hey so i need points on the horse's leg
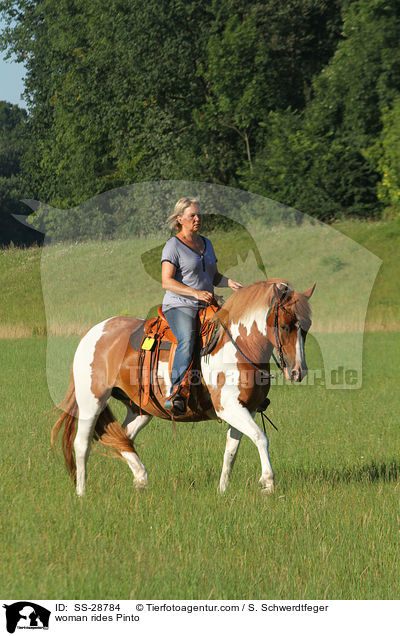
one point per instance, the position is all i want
(239, 417)
(232, 444)
(90, 403)
(133, 424)
(82, 444)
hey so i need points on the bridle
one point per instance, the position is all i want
(281, 364)
(278, 342)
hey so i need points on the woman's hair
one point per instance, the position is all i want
(179, 209)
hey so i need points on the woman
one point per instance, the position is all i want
(189, 273)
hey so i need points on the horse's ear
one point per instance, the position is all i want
(309, 292)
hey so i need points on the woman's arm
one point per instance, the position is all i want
(169, 283)
(222, 281)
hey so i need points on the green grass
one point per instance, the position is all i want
(21, 302)
(330, 531)
(382, 239)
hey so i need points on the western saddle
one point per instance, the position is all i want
(155, 335)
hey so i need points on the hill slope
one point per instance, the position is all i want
(106, 279)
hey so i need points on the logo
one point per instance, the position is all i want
(26, 615)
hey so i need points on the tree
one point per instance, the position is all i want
(387, 153)
(361, 81)
(125, 92)
(12, 122)
(12, 130)
(325, 160)
(261, 57)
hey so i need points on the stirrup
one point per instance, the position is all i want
(175, 403)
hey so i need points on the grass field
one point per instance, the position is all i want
(85, 283)
(331, 530)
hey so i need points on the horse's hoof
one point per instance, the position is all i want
(268, 489)
(141, 484)
(222, 486)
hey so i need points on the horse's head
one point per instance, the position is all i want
(288, 323)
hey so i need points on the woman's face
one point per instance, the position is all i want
(190, 219)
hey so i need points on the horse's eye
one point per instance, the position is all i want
(284, 327)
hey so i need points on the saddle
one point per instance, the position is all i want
(155, 335)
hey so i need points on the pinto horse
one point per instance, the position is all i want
(235, 379)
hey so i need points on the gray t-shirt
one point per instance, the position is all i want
(192, 269)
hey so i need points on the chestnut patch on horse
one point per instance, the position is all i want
(253, 344)
(215, 392)
(109, 353)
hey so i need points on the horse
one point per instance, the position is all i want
(235, 379)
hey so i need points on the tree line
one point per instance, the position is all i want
(298, 101)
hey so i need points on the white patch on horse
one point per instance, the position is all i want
(241, 419)
(247, 322)
(235, 414)
(82, 369)
(232, 444)
(224, 360)
(163, 373)
(138, 469)
(300, 349)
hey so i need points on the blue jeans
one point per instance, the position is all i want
(183, 324)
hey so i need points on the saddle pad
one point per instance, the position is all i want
(137, 336)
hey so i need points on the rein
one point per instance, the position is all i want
(256, 366)
(253, 364)
(261, 410)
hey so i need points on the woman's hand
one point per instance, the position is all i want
(204, 296)
(234, 285)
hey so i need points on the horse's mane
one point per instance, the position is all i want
(259, 296)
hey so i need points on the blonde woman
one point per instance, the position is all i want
(189, 273)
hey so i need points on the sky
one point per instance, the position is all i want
(11, 80)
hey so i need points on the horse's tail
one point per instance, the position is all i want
(110, 434)
(67, 419)
(107, 430)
